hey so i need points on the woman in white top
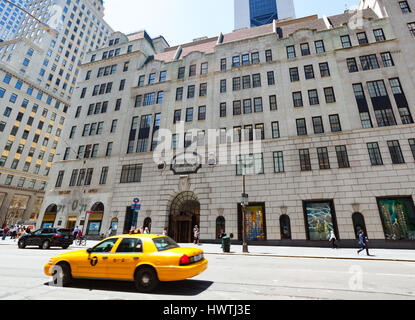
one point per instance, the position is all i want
(333, 240)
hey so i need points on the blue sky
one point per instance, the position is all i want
(181, 21)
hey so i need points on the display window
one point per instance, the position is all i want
(398, 218)
(94, 227)
(255, 222)
(320, 219)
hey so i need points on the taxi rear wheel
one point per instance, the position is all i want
(146, 279)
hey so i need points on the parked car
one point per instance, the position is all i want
(142, 258)
(46, 238)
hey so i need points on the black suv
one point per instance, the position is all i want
(46, 238)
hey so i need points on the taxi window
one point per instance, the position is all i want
(105, 246)
(165, 243)
(130, 245)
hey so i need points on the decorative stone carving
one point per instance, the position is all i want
(184, 184)
(356, 207)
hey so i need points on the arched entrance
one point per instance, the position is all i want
(220, 226)
(50, 216)
(147, 224)
(285, 227)
(184, 215)
(358, 224)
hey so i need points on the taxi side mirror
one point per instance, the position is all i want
(89, 250)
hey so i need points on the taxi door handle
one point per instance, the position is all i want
(104, 258)
(136, 258)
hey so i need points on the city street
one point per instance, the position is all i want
(228, 277)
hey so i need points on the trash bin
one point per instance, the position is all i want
(226, 244)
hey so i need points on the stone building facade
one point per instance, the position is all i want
(330, 101)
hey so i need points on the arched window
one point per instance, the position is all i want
(220, 225)
(98, 207)
(50, 216)
(358, 223)
(285, 227)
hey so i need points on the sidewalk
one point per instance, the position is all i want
(287, 252)
(316, 253)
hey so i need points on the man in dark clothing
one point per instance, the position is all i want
(363, 243)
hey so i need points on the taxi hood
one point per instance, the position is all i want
(70, 253)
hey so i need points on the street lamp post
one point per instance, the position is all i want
(245, 203)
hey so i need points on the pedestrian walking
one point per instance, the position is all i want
(109, 232)
(363, 243)
(146, 230)
(5, 232)
(20, 231)
(333, 240)
(165, 232)
(141, 230)
(75, 232)
(28, 230)
(13, 232)
(196, 235)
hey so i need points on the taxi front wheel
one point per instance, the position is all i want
(146, 279)
(62, 274)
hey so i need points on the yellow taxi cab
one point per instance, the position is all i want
(142, 258)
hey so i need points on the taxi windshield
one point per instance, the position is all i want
(165, 243)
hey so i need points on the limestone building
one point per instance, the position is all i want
(330, 99)
(38, 73)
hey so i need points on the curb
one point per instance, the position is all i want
(310, 257)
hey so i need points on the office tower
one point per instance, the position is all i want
(10, 18)
(331, 103)
(38, 74)
(254, 13)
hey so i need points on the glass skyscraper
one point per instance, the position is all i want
(262, 12)
(254, 13)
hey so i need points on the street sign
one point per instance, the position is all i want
(136, 207)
